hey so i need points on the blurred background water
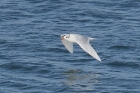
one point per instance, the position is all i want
(34, 60)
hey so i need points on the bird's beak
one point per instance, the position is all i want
(62, 38)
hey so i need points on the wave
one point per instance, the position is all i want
(126, 64)
(120, 47)
(27, 67)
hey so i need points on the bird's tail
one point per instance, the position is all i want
(90, 39)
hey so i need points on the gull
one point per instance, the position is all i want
(82, 41)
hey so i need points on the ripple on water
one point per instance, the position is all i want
(28, 67)
(120, 47)
(125, 65)
(77, 79)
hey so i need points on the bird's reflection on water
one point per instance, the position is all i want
(78, 79)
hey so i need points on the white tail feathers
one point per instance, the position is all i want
(90, 39)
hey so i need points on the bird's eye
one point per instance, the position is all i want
(66, 36)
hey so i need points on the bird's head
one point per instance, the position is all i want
(65, 36)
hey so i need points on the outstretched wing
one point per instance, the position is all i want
(68, 45)
(84, 44)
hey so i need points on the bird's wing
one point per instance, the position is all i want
(84, 44)
(68, 45)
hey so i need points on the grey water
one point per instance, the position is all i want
(34, 60)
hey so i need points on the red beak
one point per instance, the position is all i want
(62, 38)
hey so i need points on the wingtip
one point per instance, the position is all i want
(100, 60)
(71, 52)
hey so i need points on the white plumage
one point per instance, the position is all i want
(83, 41)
